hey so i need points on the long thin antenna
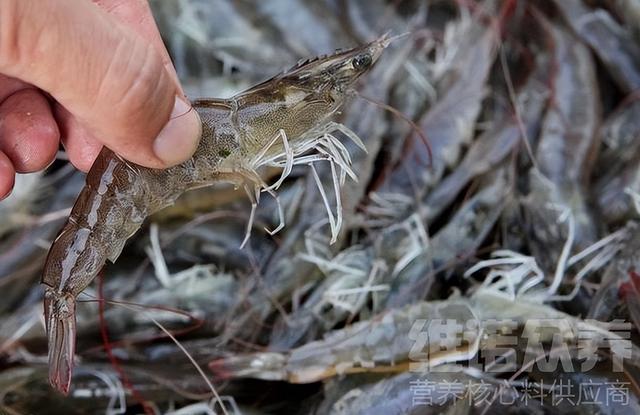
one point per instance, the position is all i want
(413, 125)
(142, 309)
(512, 97)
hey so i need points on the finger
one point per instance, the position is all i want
(29, 134)
(81, 147)
(137, 15)
(111, 80)
(9, 86)
(7, 176)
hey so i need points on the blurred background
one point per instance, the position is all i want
(523, 208)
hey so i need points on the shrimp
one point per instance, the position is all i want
(279, 122)
(393, 342)
(612, 43)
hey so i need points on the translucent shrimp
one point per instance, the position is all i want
(282, 122)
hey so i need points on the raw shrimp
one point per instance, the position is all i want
(618, 164)
(463, 234)
(390, 343)
(449, 122)
(495, 144)
(276, 123)
(566, 148)
(610, 41)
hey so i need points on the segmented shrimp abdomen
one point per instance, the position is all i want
(119, 195)
(110, 208)
(74, 253)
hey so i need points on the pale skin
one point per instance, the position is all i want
(87, 73)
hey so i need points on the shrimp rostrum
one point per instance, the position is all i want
(282, 122)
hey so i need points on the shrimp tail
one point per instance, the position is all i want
(60, 320)
(109, 209)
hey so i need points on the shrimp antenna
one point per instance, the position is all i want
(389, 39)
(409, 121)
(183, 114)
(138, 308)
(386, 39)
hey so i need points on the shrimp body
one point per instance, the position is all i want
(394, 342)
(269, 124)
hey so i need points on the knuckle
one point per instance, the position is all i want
(25, 34)
(30, 134)
(145, 83)
(10, 28)
(7, 176)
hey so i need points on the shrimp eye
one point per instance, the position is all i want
(362, 61)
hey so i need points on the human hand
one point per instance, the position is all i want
(89, 73)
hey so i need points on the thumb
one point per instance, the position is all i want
(109, 78)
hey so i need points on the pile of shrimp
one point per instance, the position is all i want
(480, 175)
